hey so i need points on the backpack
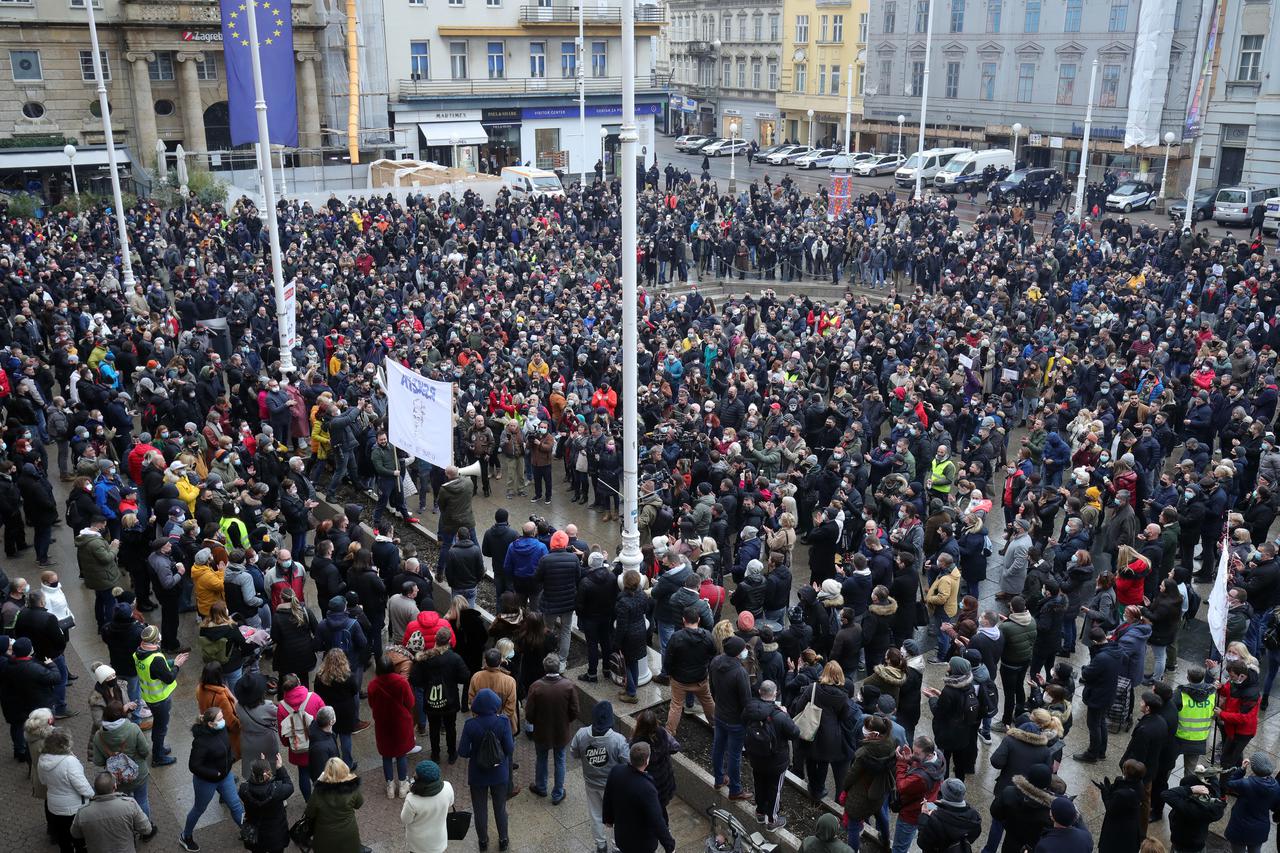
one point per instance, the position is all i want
(295, 728)
(489, 754)
(990, 697)
(121, 767)
(214, 650)
(973, 710)
(1271, 636)
(761, 738)
(1193, 605)
(662, 521)
(342, 639)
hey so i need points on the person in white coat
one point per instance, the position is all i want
(426, 809)
(66, 788)
(55, 600)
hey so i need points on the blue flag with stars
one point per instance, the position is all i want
(275, 51)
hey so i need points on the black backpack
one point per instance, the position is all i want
(1193, 604)
(761, 737)
(489, 754)
(973, 710)
(662, 521)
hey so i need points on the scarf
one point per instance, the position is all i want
(959, 681)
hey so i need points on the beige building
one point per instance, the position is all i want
(821, 40)
(163, 61)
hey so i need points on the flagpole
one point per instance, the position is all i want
(268, 188)
(104, 107)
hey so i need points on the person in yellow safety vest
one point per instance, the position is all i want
(1196, 701)
(942, 473)
(157, 678)
(233, 529)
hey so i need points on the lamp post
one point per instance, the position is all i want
(901, 121)
(1084, 148)
(1017, 133)
(126, 262)
(924, 97)
(70, 151)
(630, 553)
(1164, 175)
(604, 134)
(733, 171)
(810, 114)
(848, 111)
(582, 88)
(453, 146)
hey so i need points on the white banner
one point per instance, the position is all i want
(1217, 617)
(1149, 81)
(419, 414)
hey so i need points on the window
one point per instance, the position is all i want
(78, 4)
(458, 60)
(86, 65)
(417, 2)
(773, 75)
(726, 74)
(995, 9)
(775, 27)
(957, 16)
(1066, 83)
(1119, 17)
(568, 60)
(917, 79)
(420, 60)
(801, 78)
(1110, 94)
(862, 28)
(457, 3)
(1031, 20)
(860, 83)
(161, 68)
(599, 59)
(22, 3)
(537, 59)
(742, 74)
(886, 75)
(496, 53)
(165, 107)
(26, 65)
(952, 90)
(1075, 11)
(822, 79)
(1026, 81)
(207, 67)
(802, 29)
(837, 28)
(755, 74)
(922, 15)
(1250, 66)
(757, 27)
(890, 16)
(822, 29)
(726, 29)
(835, 79)
(493, 4)
(33, 110)
(987, 88)
(742, 26)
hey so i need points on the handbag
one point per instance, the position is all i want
(249, 834)
(457, 824)
(301, 832)
(66, 623)
(810, 718)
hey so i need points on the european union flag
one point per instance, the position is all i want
(275, 49)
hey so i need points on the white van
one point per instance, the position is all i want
(1271, 218)
(525, 182)
(1234, 205)
(966, 169)
(928, 163)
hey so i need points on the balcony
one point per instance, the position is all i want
(606, 16)
(527, 86)
(701, 48)
(701, 92)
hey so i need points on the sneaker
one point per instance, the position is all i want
(986, 737)
(361, 726)
(548, 503)
(164, 761)
(1086, 757)
(555, 801)
(66, 714)
(404, 788)
(629, 698)
(188, 843)
(537, 792)
(412, 519)
(742, 795)
(416, 749)
(761, 819)
(999, 727)
(391, 790)
(776, 824)
(937, 662)
(588, 678)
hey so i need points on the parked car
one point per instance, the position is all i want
(1131, 195)
(690, 142)
(1201, 206)
(701, 147)
(848, 161)
(965, 170)
(1271, 217)
(1023, 182)
(762, 155)
(725, 147)
(788, 155)
(881, 164)
(1234, 205)
(816, 159)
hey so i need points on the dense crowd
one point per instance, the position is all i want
(1110, 390)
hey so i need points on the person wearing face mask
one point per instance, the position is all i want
(210, 765)
(730, 691)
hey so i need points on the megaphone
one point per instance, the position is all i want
(472, 470)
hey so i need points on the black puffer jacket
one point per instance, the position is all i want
(560, 571)
(294, 644)
(211, 755)
(465, 566)
(264, 807)
(749, 595)
(597, 594)
(943, 828)
(828, 744)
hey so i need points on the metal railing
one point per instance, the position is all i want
(701, 48)
(526, 86)
(592, 15)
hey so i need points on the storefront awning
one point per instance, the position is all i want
(454, 133)
(20, 158)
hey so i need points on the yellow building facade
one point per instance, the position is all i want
(824, 44)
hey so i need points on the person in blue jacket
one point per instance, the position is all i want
(1057, 458)
(1257, 793)
(488, 782)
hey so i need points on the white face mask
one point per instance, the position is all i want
(744, 654)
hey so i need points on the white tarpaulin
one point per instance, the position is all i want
(419, 414)
(1217, 617)
(1149, 82)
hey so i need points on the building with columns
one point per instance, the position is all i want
(165, 76)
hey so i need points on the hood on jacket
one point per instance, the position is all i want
(1031, 792)
(486, 704)
(828, 827)
(887, 609)
(1024, 618)
(890, 675)
(1036, 738)
(602, 717)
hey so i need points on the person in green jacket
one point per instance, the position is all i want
(98, 566)
(1019, 632)
(121, 736)
(332, 810)
(387, 472)
(826, 837)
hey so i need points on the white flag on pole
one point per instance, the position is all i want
(419, 414)
(1217, 617)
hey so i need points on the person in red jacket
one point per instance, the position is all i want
(605, 398)
(919, 776)
(1238, 710)
(1131, 576)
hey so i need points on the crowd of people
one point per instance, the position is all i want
(1109, 389)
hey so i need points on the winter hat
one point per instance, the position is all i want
(1030, 728)
(427, 771)
(755, 568)
(973, 656)
(748, 533)
(746, 621)
(1261, 764)
(661, 545)
(103, 673)
(886, 704)
(559, 540)
(952, 793)
(596, 560)
(22, 647)
(830, 589)
(337, 604)
(1040, 776)
(151, 634)
(733, 646)
(1063, 811)
(959, 666)
(602, 717)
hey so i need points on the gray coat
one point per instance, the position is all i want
(1013, 575)
(110, 823)
(259, 734)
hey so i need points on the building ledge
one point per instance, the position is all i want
(525, 86)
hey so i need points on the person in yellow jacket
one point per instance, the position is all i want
(943, 599)
(207, 579)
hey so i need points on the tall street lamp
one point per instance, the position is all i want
(1017, 134)
(1164, 176)
(604, 134)
(70, 151)
(901, 121)
(810, 114)
(733, 171)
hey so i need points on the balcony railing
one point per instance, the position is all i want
(527, 86)
(591, 15)
(701, 48)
